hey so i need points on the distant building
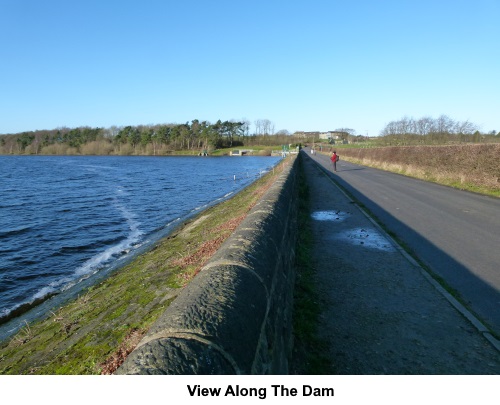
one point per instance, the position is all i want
(330, 136)
(306, 135)
(334, 135)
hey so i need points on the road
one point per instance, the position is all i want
(456, 234)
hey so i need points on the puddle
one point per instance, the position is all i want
(330, 215)
(366, 237)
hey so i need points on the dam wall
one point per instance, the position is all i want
(235, 316)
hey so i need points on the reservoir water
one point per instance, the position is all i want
(64, 219)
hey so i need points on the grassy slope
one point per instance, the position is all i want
(472, 167)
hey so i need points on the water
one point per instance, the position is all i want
(368, 238)
(330, 215)
(64, 219)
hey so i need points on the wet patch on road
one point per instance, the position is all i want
(366, 237)
(330, 215)
(369, 238)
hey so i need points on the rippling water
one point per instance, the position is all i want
(63, 219)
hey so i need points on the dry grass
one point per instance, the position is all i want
(206, 249)
(116, 359)
(470, 166)
(23, 336)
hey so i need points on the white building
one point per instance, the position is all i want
(331, 135)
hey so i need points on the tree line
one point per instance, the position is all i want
(201, 136)
(428, 130)
(147, 139)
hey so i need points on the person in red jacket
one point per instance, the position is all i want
(334, 159)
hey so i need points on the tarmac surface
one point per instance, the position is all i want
(382, 313)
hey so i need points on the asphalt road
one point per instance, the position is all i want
(455, 233)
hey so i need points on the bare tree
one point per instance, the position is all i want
(441, 129)
(267, 126)
(424, 126)
(283, 132)
(245, 127)
(444, 125)
(465, 128)
(264, 127)
(258, 127)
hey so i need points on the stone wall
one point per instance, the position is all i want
(235, 317)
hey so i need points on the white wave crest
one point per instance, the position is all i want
(96, 262)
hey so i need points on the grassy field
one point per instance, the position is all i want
(258, 150)
(95, 332)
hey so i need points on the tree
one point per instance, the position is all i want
(283, 132)
(129, 135)
(424, 126)
(216, 134)
(444, 126)
(264, 127)
(185, 135)
(72, 138)
(245, 127)
(465, 128)
(477, 136)
(204, 135)
(24, 140)
(429, 130)
(146, 136)
(163, 135)
(195, 132)
(46, 140)
(268, 127)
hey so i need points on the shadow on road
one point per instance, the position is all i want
(476, 295)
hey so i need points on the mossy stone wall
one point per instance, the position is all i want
(235, 317)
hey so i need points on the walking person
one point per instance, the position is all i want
(334, 159)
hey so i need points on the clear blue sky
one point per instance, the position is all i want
(304, 65)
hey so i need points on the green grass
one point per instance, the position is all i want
(258, 150)
(473, 188)
(310, 352)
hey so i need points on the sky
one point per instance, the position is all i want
(304, 65)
